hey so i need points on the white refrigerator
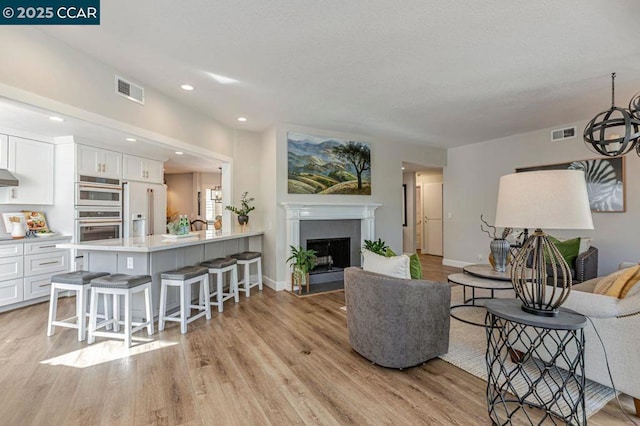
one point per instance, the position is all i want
(144, 209)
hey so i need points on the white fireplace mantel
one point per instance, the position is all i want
(297, 211)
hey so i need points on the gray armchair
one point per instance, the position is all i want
(395, 322)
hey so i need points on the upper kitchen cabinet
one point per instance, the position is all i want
(142, 169)
(4, 151)
(32, 163)
(99, 162)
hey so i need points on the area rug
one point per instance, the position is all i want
(467, 350)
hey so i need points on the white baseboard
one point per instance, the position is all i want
(455, 263)
(274, 285)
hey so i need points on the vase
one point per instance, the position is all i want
(18, 231)
(243, 219)
(500, 251)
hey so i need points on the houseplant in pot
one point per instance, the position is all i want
(301, 262)
(244, 210)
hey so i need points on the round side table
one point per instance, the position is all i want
(534, 362)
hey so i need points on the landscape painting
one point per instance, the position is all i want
(321, 165)
(605, 181)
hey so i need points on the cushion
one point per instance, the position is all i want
(568, 249)
(620, 283)
(219, 263)
(77, 277)
(394, 266)
(121, 281)
(415, 267)
(585, 244)
(247, 255)
(185, 273)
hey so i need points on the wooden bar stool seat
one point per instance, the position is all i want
(120, 285)
(246, 259)
(183, 278)
(219, 267)
(80, 283)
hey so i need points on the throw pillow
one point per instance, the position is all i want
(415, 267)
(620, 283)
(568, 249)
(394, 266)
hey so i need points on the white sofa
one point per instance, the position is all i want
(618, 323)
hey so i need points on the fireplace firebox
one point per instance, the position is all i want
(333, 254)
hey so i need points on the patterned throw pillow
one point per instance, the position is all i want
(620, 283)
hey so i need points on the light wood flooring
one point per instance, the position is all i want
(271, 359)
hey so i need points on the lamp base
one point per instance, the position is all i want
(540, 312)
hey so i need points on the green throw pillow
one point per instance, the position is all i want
(568, 249)
(415, 267)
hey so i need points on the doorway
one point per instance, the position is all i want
(418, 218)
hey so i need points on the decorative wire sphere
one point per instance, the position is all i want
(540, 276)
(614, 145)
(634, 106)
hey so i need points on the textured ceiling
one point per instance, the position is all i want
(422, 71)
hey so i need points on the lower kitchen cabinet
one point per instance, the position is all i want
(27, 276)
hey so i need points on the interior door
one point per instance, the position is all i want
(418, 218)
(432, 208)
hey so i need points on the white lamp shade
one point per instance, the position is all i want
(549, 199)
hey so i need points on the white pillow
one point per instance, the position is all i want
(585, 244)
(394, 266)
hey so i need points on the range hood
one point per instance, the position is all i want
(7, 179)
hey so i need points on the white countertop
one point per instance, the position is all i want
(157, 242)
(8, 240)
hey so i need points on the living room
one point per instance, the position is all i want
(473, 90)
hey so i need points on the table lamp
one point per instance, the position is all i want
(549, 199)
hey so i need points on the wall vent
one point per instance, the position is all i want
(129, 90)
(562, 134)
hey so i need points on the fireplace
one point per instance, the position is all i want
(324, 220)
(333, 254)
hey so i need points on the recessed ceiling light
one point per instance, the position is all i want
(179, 152)
(403, 168)
(243, 119)
(187, 87)
(131, 139)
(58, 119)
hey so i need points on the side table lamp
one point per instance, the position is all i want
(549, 199)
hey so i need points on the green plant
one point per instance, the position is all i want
(302, 260)
(245, 208)
(377, 247)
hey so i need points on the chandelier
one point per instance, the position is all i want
(616, 131)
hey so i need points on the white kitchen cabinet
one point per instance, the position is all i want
(31, 162)
(142, 169)
(4, 151)
(26, 268)
(98, 162)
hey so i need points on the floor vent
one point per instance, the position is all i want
(562, 134)
(129, 90)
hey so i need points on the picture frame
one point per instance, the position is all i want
(404, 204)
(605, 179)
(320, 165)
(6, 218)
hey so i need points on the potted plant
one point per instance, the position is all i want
(302, 261)
(244, 210)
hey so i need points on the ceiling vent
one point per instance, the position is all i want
(562, 134)
(129, 90)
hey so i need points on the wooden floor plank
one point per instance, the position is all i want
(271, 359)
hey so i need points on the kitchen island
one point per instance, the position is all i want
(155, 254)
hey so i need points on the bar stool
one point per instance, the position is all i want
(120, 285)
(184, 278)
(80, 283)
(246, 259)
(219, 266)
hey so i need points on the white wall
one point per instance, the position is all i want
(42, 71)
(386, 175)
(471, 186)
(180, 195)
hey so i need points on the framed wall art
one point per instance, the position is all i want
(605, 181)
(321, 165)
